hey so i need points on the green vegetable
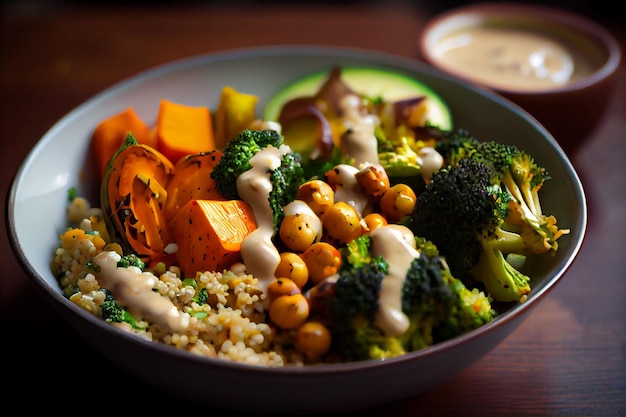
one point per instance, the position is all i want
(519, 176)
(438, 305)
(114, 312)
(523, 179)
(72, 194)
(190, 282)
(131, 259)
(462, 212)
(455, 145)
(353, 309)
(201, 296)
(285, 179)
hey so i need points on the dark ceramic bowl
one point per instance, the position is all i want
(36, 214)
(570, 111)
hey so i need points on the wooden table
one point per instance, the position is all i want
(567, 358)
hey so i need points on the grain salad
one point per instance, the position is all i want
(231, 325)
(272, 243)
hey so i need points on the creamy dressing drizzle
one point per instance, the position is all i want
(300, 207)
(429, 161)
(258, 252)
(512, 58)
(396, 244)
(348, 189)
(134, 289)
(359, 141)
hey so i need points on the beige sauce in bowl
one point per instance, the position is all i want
(511, 58)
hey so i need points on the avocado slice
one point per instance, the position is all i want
(372, 82)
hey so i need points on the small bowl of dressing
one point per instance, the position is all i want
(559, 66)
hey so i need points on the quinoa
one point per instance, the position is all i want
(230, 325)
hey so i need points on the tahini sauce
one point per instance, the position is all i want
(396, 244)
(360, 143)
(258, 252)
(134, 289)
(349, 190)
(510, 58)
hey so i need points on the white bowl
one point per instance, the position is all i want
(36, 207)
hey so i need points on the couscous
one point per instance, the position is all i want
(239, 252)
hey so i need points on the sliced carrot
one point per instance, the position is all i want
(235, 113)
(209, 234)
(183, 130)
(110, 133)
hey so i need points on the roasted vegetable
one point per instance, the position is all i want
(191, 180)
(462, 212)
(110, 134)
(382, 305)
(132, 195)
(235, 113)
(209, 233)
(183, 130)
(317, 114)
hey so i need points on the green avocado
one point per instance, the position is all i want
(371, 82)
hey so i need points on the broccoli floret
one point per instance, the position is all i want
(455, 145)
(236, 158)
(462, 212)
(426, 247)
(357, 253)
(354, 306)
(437, 305)
(517, 174)
(404, 157)
(114, 312)
(400, 160)
(285, 178)
(523, 178)
(131, 260)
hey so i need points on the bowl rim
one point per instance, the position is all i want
(532, 11)
(390, 59)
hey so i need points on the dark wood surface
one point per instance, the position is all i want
(567, 359)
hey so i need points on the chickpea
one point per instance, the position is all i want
(398, 202)
(374, 181)
(318, 195)
(299, 231)
(374, 220)
(289, 311)
(322, 260)
(342, 223)
(300, 226)
(292, 266)
(313, 340)
(280, 287)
